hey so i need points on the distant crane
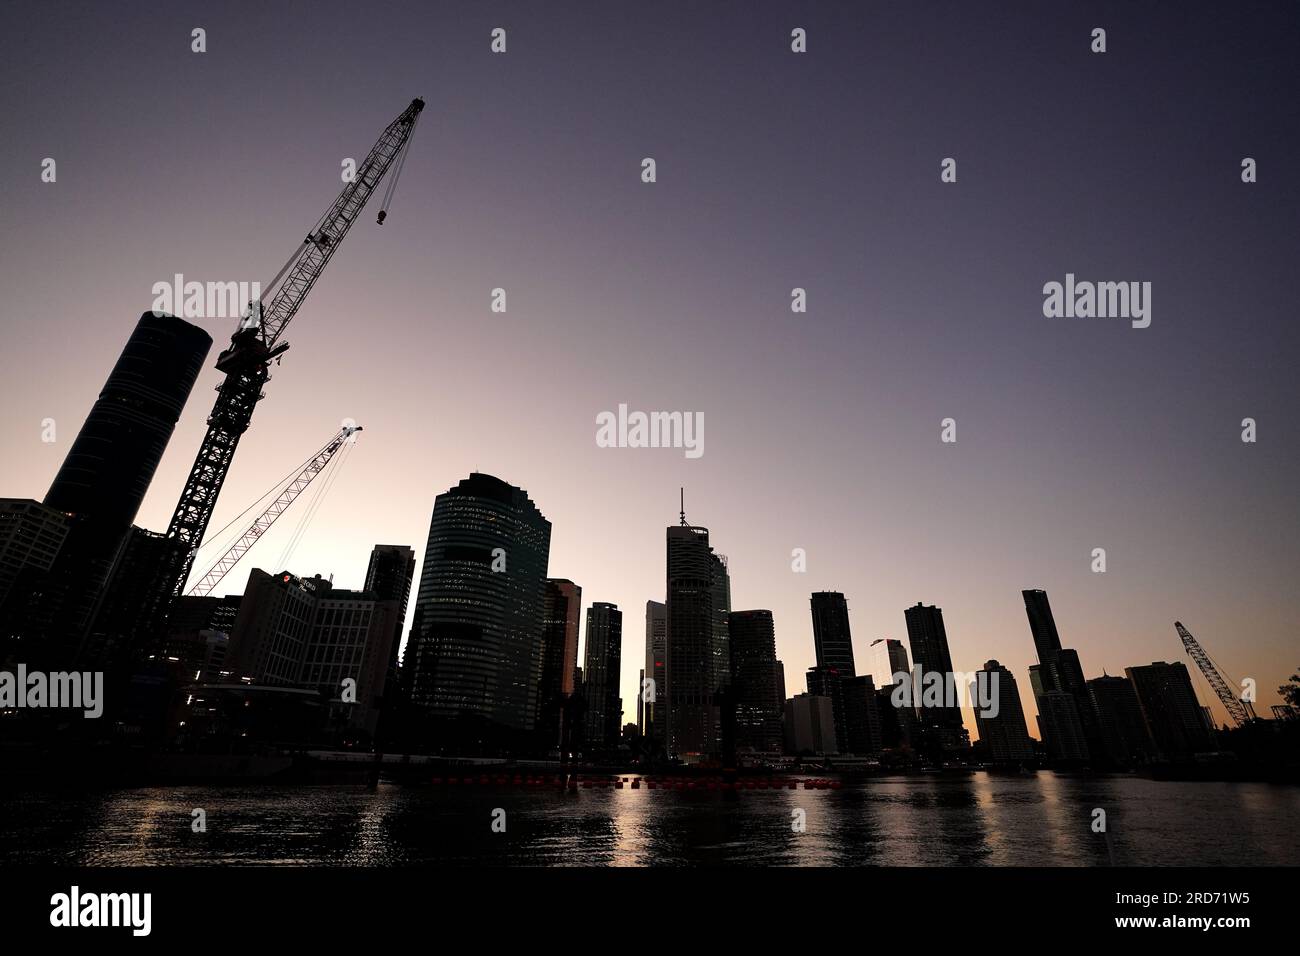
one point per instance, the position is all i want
(310, 469)
(1241, 711)
(256, 343)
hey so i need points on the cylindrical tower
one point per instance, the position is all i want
(107, 472)
(108, 469)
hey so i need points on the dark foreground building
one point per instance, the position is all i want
(305, 634)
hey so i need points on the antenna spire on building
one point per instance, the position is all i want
(683, 491)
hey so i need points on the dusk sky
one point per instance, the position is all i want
(775, 170)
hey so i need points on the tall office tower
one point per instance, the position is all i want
(656, 670)
(1004, 734)
(864, 732)
(832, 638)
(600, 670)
(304, 633)
(759, 707)
(390, 573)
(941, 726)
(476, 636)
(809, 726)
(110, 464)
(113, 458)
(1061, 670)
(833, 644)
(1170, 709)
(721, 610)
(888, 657)
(693, 656)
(1041, 624)
(561, 620)
(1125, 739)
(388, 577)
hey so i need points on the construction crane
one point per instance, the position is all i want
(1241, 711)
(310, 469)
(257, 341)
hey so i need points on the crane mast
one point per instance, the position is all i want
(246, 363)
(313, 467)
(1239, 710)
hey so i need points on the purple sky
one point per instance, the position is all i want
(775, 170)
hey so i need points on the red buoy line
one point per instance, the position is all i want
(574, 781)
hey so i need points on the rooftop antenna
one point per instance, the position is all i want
(683, 491)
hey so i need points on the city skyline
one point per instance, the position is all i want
(1072, 435)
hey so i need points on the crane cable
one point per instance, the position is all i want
(296, 538)
(397, 173)
(209, 539)
(310, 514)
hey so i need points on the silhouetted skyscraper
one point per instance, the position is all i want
(1059, 722)
(1124, 735)
(600, 675)
(1170, 709)
(1005, 736)
(1041, 624)
(832, 637)
(476, 638)
(721, 612)
(656, 670)
(1062, 671)
(390, 573)
(941, 726)
(107, 471)
(388, 578)
(759, 708)
(561, 621)
(113, 458)
(695, 587)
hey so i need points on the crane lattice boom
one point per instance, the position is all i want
(314, 466)
(257, 342)
(1239, 710)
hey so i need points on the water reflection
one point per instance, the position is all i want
(934, 820)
